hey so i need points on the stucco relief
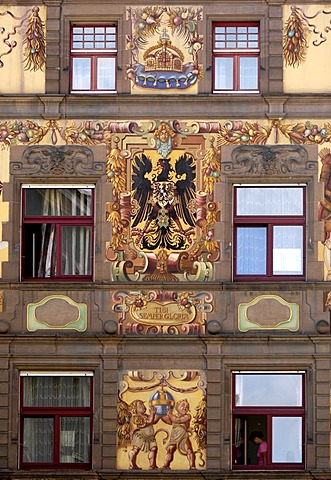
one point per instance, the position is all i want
(279, 160)
(57, 161)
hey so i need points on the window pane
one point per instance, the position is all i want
(47, 391)
(223, 73)
(236, 37)
(58, 201)
(106, 74)
(269, 390)
(76, 250)
(81, 74)
(287, 440)
(288, 250)
(248, 73)
(38, 440)
(269, 201)
(251, 251)
(75, 440)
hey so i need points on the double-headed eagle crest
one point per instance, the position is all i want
(164, 195)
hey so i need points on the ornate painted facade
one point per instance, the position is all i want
(119, 214)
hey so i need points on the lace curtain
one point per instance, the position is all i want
(56, 391)
(39, 431)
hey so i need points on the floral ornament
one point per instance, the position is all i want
(138, 301)
(186, 301)
(119, 232)
(295, 39)
(116, 169)
(27, 132)
(306, 133)
(87, 133)
(34, 40)
(6, 134)
(295, 36)
(200, 423)
(35, 43)
(238, 133)
(183, 22)
(209, 244)
(146, 22)
(123, 424)
(211, 168)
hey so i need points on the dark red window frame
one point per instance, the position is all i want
(236, 54)
(270, 412)
(94, 54)
(268, 222)
(59, 221)
(55, 413)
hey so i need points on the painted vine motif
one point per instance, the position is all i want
(34, 41)
(161, 420)
(295, 35)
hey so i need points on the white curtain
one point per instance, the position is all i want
(75, 241)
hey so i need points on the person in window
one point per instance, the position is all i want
(258, 439)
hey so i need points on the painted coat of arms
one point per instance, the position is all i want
(164, 45)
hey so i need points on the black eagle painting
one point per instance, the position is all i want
(165, 194)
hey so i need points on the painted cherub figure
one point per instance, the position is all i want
(179, 437)
(143, 437)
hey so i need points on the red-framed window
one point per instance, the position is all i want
(57, 232)
(56, 420)
(93, 58)
(268, 411)
(269, 232)
(236, 57)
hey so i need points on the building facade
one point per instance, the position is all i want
(165, 240)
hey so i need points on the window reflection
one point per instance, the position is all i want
(269, 390)
(287, 439)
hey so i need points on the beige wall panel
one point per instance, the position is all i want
(313, 74)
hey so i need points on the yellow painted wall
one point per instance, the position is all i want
(313, 75)
(13, 77)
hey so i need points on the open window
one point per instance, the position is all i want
(56, 420)
(57, 232)
(268, 411)
(269, 232)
